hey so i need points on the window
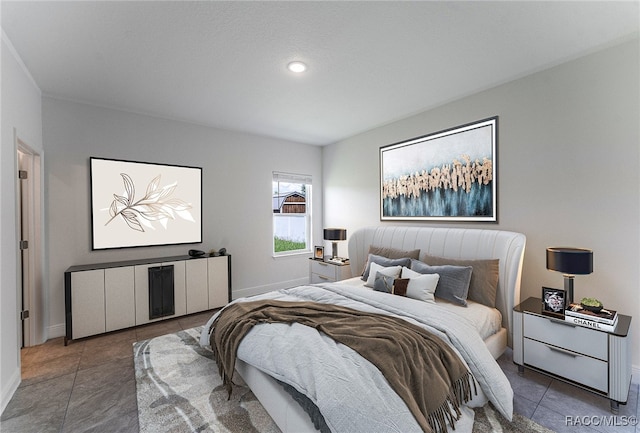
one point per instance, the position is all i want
(291, 203)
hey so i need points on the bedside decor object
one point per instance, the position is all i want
(449, 175)
(571, 262)
(334, 235)
(553, 301)
(591, 304)
(600, 315)
(319, 253)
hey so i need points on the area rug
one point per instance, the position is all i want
(179, 390)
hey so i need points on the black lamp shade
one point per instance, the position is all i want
(335, 234)
(572, 261)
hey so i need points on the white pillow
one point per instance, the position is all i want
(421, 286)
(391, 271)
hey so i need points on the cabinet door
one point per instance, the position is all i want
(120, 311)
(142, 293)
(179, 287)
(87, 303)
(218, 281)
(197, 292)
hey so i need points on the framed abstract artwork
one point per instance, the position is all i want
(136, 204)
(449, 175)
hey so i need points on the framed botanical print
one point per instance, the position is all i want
(137, 204)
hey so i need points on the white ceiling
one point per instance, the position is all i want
(223, 64)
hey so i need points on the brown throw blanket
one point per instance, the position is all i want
(422, 369)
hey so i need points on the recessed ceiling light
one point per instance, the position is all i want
(297, 67)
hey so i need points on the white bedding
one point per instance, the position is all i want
(271, 349)
(486, 320)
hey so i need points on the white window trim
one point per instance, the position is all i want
(296, 178)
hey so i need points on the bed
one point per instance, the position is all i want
(478, 333)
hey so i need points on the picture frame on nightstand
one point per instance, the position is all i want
(318, 253)
(553, 301)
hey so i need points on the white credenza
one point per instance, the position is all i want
(106, 297)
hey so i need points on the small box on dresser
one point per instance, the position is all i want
(593, 359)
(325, 272)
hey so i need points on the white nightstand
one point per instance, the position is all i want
(595, 360)
(325, 272)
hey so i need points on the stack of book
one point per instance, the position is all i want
(604, 320)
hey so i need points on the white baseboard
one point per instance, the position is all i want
(55, 331)
(10, 389)
(258, 290)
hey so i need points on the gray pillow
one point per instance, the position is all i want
(383, 283)
(484, 278)
(453, 284)
(390, 284)
(385, 262)
(394, 253)
(390, 253)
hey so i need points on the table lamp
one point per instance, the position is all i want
(571, 262)
(335, 235)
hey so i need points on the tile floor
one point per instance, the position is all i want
(89, 386)
(564, 408)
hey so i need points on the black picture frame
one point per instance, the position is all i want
(449, 175)
(553, 301)
(141, 204)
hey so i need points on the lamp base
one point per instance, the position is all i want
(334, 250)
(568, 287)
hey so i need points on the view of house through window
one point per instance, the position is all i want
(291, 203)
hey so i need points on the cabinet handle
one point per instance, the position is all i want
(561, 322)
(322, 277)
(563, 351)
(323, 263)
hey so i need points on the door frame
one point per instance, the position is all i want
(31, 330)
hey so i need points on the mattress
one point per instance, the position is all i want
(486, 320)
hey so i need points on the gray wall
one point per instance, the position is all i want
(568, 167)
(237, 172)
(21, 120)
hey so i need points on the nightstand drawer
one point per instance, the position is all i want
(570, 365)
(574, 338)
(323, 269)
(317, 278)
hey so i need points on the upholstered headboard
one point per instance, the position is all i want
(457, 243)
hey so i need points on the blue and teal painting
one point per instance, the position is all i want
(448, 175)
